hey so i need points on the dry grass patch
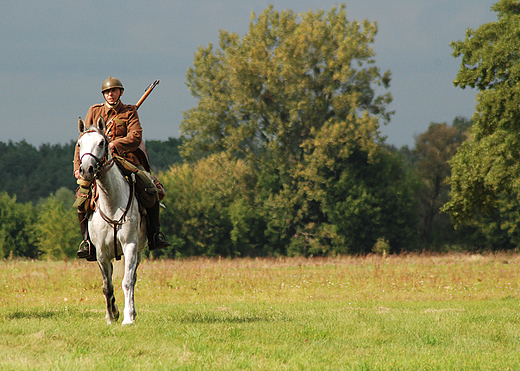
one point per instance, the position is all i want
(408, 312)
(200, 280)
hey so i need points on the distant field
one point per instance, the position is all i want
(410, 312)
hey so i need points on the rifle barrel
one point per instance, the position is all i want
(147, 92)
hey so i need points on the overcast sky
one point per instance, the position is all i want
(55, 54)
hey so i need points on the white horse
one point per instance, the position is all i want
(116, 227)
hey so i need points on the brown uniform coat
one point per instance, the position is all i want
(123, 130)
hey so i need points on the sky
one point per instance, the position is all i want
(55, 54)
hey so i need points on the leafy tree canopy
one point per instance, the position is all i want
(300, 99)
(163, 154)
(267, 94)
(433, 150)
(487, 164)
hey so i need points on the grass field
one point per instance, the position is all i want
(410, 312)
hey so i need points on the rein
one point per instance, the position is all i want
(102, 167)
(107, 165)
(122, 220)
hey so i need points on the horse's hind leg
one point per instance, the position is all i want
(132, 260)
(112, 313)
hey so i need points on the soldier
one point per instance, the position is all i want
(125, 135)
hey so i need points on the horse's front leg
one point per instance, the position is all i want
(112, 313)
(132, 260)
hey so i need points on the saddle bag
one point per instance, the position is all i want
(83, 194)
(146, 191)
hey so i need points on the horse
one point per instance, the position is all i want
(116, 226)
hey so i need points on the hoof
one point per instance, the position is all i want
(114, 317)
(116, 313)
(129, 318)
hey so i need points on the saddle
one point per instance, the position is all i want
(149, 189)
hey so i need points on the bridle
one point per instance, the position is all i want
(103, 163)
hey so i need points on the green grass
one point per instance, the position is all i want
(450, 312)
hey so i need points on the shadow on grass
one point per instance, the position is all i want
(219, 317)
(44, 314)
(32, 314)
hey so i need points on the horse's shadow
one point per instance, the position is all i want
(215, 317)
(202, 317)
(41, 314)
(32, 314)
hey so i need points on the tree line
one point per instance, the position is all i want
(32, 173)
(37, 192)
(211, 208)
(283, 156)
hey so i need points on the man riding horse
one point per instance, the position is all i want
(124, 132)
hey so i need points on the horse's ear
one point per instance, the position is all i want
(81, 126)
(101, 124)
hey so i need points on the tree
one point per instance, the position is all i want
(16, 171)
(433, 150)
(54, 170)
(296, 99)
(57, 228)
(33, 174)
(364, 198)
(486, 167)
(163, 154)
(263, 96)
(17, 222)
(207, 208)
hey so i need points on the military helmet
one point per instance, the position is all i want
(111, 83)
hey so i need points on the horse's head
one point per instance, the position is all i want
(93, 148)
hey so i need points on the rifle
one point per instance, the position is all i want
(147, 92)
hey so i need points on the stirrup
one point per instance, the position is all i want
(86, 252)
(83, 251)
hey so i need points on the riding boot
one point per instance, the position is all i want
(86, 248)
(156, 239)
